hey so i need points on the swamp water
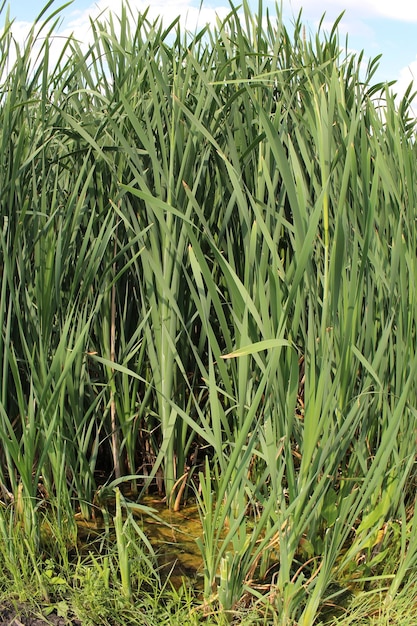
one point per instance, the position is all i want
(172, 535)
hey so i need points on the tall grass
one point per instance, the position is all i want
(208, 269)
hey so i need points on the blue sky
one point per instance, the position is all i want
(376, 26)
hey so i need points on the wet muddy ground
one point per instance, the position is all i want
(173, 537)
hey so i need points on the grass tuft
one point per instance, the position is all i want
(208, 260)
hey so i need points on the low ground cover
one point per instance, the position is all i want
(208, 296)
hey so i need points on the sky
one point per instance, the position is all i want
(387, 27)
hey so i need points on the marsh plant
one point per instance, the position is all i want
(208, 260)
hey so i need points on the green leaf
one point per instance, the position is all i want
(330, 510)
(266, 344)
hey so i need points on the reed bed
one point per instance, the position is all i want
(208, 289)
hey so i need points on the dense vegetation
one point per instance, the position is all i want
(208, 291)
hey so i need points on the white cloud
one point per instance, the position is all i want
(348, 27)
(407, 75)
(405, 10)
(78, 23)
(191, 17)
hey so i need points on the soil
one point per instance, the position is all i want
(19, 616)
